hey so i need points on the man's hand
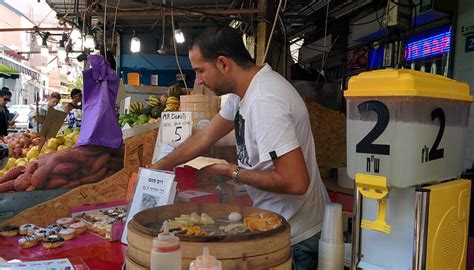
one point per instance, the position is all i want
(220, 169)
(290, 175)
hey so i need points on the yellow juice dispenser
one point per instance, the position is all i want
(406, 134)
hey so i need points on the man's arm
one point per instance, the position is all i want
(290, 175)
(196, 144)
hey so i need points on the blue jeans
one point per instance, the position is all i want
(305, 253)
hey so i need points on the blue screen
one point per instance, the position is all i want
(436, 44)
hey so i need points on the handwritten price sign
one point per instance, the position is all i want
(176, 127)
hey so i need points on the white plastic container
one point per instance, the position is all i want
(331, 232)
(205, 262)
(408, 126)
(166, 252)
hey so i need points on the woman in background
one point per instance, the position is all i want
(5, 97)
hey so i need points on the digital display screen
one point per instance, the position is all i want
(436, 44)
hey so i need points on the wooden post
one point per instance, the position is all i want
(261, 35)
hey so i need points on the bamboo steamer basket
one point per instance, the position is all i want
(256, 250)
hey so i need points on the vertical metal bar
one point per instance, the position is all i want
(356, 232)
(422, 200)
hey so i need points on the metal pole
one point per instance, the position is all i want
(421, 230)
(37, 112)
(356, 232)
(33, 29)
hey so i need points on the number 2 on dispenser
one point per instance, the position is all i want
(434, 153)
(367, 145)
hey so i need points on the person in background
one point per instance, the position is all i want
(275, 145)
(53, 101)
(5, 97)
(74, 109)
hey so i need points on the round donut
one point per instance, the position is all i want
(67, 234)
(42, 233)
(27, 229)
(64, 221)
(80, 227)
(9, 231)
(52, 241)
(28, 241)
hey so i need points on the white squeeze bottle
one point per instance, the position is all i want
(165, 253)
(205, 262)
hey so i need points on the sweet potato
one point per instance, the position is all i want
(56, 182)
(39, 177)
(94, 177)
(65, 168)
(22, 182)
(73, 156)
(100, 162)
(7, 186)
(31, 167)
(31, 188)
(12, 173)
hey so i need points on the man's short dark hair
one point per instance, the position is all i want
(5, 88)
(225, 41)
(55, 95)
(5, 92)
(75, 91)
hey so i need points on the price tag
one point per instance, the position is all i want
(175, 127)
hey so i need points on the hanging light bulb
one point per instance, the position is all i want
(89, 43)
(178, 34)
(62, 54)
(39, 39)
(76, 34)
(135, 45)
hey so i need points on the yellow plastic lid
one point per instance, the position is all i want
(406, 82)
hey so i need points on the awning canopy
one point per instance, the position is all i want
(15, 67)
(8, 72)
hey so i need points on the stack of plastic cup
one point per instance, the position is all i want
(331, 244)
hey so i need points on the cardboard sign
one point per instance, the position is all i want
(52, 123)
(175, 128)
(154, 188)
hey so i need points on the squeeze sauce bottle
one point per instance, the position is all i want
(165, 253)
(205, 262)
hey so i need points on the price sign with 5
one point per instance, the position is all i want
(175, 127)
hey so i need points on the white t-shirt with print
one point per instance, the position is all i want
(270, 121)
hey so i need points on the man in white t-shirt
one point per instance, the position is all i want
(275, 145)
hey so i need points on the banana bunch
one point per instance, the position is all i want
(136, 107)
(172, 104)
(153, 101)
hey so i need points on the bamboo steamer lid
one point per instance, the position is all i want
(249, 250)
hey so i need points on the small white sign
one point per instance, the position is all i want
(154, 188)
(126, 105)
(154, 79)
(175, 127)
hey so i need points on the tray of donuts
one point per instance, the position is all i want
(105, 220)
(51, 236)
